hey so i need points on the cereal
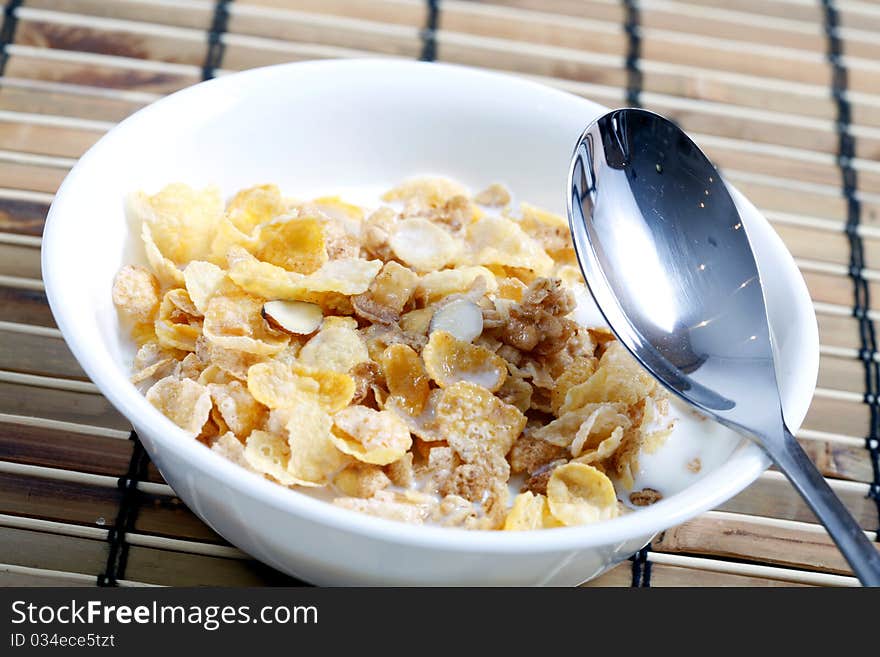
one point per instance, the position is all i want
(234, 322)
(438, 285)
(361, 480)
(617, 378)
(348, 277)
(337, 346)
(166, 271)
(449, 361)
(500, 241)
(238, 408)
(203, 280)
(183, 401)
(527, 512)
(422, 245)
(296, 245)
(579, 494)
(387, 295)
(251, 207)
(430, 192)
(181, 220)
(495, 195)
(175, 328)
(406, 378)
(136, 293)
(645, 497)
(409, 360)
(479, 426)
(378, 437)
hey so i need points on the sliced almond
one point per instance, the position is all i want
(296, 317)
(461, 318)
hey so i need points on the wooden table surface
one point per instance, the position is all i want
(783, 94)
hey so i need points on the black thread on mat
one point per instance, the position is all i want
(117, 557)
(429, 32)
(7, 32)
(861, 292)
(216, 48)
(641, 568)
(633, 53)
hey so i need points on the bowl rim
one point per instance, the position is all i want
(745, 466)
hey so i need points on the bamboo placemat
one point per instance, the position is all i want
(784, 95)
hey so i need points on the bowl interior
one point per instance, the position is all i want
(357, 126)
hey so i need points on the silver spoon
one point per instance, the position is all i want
(667, 259)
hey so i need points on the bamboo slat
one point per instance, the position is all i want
(751, 84)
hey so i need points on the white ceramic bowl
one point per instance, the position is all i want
(320, 127)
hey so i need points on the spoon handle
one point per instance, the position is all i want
(862, 555)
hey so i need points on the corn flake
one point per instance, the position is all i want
(500, 241)
(296, 245)
(254, 206)
(182, 220)
(449, 361)
(136, 293)
(377, 437)
(406, 378)
(204, 280)
(578, 494)
(337, 346)
(183, 401)
(423, 245)
(234, 322)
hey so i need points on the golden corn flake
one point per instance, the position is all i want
(136, 293)
(449, 360)
(345, 276)
(440, 284)
(361, 480)
(409, 507)
(500, 241)
(175, 327)
(495, 195)
(377, 437)
(275, 385)
(526, 513)
(417, 321)
(406, 378)
(182, 220)
(296, 245)
(204, 280)
(337, 346)
(618, 378)
(602, 424)
(254, 206)
(422, 244)
(431, 192)
(335, 389)
(231, 448)
(579, 494)
(234, 322)
(391, 290)
(476, 423)
(226, 237)
(183, 401)
(238, 408)
(578, 371)
(166, 271)
(423, 425)
(269, 454)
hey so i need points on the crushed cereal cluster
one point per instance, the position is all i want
(418, 360)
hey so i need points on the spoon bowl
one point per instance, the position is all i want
(669, 263)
